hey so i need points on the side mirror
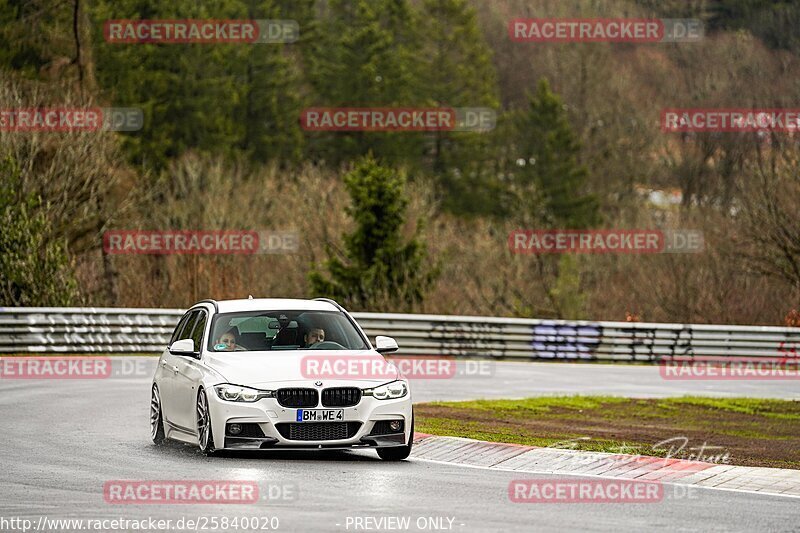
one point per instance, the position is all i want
(385, 344)
(183, 347)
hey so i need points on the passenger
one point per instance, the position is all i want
(228, 339)
(313, 336)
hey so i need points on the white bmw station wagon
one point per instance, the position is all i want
(279, 374)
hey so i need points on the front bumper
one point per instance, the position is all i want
(267, 414)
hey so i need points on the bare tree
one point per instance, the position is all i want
(771, 210)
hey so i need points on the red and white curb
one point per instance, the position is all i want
(537, 460)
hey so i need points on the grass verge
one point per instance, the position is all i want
(741, 431)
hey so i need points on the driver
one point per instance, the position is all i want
(229, 340)
(313, 336)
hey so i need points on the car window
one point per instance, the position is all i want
(186, 332)
(285, 330)
(199, 328)
(179, 328)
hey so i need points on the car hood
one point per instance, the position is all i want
(274, 369)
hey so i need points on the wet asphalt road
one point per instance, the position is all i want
(61, 441)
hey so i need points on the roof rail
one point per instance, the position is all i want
(349, 317)
(330, 301)
(210, 301)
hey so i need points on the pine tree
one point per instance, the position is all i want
(458, 73)
(271, 103)
(365, 57)
(207, 98)
(549, 151)
(376, 269)
(35, 34)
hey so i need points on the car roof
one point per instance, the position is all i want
(272, 304)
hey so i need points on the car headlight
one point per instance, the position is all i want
(390, 391)
(235, 393)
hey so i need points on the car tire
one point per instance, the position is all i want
(205, 436)
(156, 417)
(398, 453)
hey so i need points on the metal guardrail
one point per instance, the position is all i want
(105, 330)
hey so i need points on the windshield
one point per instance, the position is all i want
(283, 330)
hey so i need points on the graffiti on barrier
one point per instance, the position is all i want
(552, 340)
(469, 338)
(653, 344)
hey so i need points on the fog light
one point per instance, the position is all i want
(394, 425)
(234, 429)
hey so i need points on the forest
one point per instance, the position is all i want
(405, 221)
